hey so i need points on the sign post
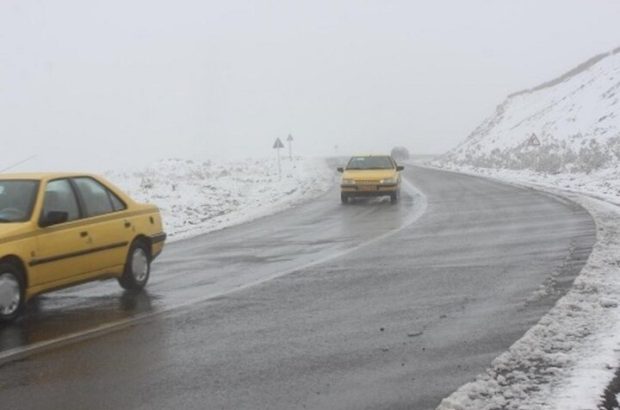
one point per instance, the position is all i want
(290, 146)
(535, 142)
(278, 146)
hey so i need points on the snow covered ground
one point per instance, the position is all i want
(199, 197)
(603, 183)
(569, 358)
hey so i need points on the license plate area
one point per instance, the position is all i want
(366, 188)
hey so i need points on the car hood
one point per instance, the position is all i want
(11, 229)
(370, 174)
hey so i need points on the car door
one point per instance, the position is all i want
(62, 249)
(108, 229)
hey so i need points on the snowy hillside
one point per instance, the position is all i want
(198, 197)
(575, 118)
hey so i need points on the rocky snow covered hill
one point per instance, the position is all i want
(575, 120)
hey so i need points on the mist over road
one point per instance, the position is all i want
(399, 322)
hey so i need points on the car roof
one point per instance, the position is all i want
(43, 175)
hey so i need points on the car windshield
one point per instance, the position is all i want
(17, 200)
(370, 163)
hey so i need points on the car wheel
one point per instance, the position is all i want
(137, 267)
(394, 198)
(12, 292)
(344, 198)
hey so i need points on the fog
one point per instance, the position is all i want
(106, 84)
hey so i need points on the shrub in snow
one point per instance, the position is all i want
(552, 157)
(592, 157)
(146, 184)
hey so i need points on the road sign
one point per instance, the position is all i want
(534, 141)
(278, 144)
(290, 147)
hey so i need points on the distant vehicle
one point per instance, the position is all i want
(370, 176)
(400, 153)
(59, 230)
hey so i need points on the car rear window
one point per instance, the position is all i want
(98, 200)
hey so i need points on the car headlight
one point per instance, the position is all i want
(389, 181)
(348, 181)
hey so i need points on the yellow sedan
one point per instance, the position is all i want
(59, 230)
(370, 176)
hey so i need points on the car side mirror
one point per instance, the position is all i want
(340, 169)
(53, 218)
(400, 168)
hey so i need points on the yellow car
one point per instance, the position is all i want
(59, 230)
(370, 176)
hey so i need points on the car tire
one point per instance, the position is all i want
(394, 198)
(137, 267)
(12, 292)
(344, 198)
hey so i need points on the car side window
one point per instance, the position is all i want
(97, 199)
(59, 196)
(117, 204)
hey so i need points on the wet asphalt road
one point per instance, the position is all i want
(351, 307)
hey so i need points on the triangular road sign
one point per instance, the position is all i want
(290, 138)
(534, 141)
(278, 144)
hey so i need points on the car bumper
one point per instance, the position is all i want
(378, 190)
(157, 242)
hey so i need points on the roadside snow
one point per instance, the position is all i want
(566, 361)
(200, 197)
(602, 184)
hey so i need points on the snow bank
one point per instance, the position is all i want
(567, 360)
(199, 197)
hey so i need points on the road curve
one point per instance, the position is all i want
(398, 323)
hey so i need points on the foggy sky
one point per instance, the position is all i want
(99, 84)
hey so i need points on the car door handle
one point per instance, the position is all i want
(84, 234)
(127, 224)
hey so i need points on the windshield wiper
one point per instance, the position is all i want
(5, 220)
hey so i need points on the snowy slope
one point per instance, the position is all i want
(576, 120)
(198, 197)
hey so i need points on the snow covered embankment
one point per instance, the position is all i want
(199, 197)
(570, 124)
